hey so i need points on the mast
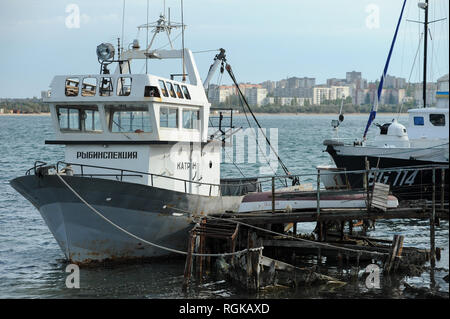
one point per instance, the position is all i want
(373, 112)
(425, 55)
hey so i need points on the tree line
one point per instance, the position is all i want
(35, 105)
(30, 105)
(324, 108)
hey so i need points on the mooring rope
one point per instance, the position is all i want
(358, 252)
(146, 241)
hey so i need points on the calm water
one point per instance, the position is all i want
(33, 266)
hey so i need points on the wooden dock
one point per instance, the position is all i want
(280, 217)
(270, 240)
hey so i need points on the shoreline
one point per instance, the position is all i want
(25, 114)
(241, 114)
(321, 114)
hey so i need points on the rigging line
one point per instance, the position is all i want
(122, 129)
(419, 69)
(267, 140)
(228, 156)
(234, 163)
(143, 240)
(230, 71)
(430, 71)
(405, 31)
(410, 75)
(256, 139)
(215, 50)
(146, 43)
(168, 43)
(434, 57)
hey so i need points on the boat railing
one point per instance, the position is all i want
(264, 183)
(131, 173)
(400, 177)
(37, 165)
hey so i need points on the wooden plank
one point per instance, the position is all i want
(188, 265)
(380, 196)
(396, 253)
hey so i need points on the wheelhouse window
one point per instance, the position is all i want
(88, 87)
(418, 120)
(191, 119)
(72, 86)
(186, 92)
(69, 119)
(437, 119)
(129, 119)
(91, 120)
(124, 86)
(151, 91)
(168, 117)
(171, 90)
(84, 118)
(179, 93)
(162, 86)
(106, 87)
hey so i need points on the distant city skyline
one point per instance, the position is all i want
(265, 40)
(304, 92)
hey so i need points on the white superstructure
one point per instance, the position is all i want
(139, 122)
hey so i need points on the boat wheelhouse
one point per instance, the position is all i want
(428, 127)
(141, 121)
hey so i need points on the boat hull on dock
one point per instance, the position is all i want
(306, 200)
(156, 215)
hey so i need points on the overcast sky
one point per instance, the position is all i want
(265, 40)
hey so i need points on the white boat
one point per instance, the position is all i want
(289, 201)
(423, 143)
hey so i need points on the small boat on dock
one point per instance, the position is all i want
(306, 200)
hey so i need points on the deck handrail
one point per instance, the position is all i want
(152, 176)
(259, 179)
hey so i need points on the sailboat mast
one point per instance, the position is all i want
(425, 55)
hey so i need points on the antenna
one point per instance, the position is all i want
(123, 25)
(146, 45)
(182, 39)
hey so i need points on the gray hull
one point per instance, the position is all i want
(150, 213)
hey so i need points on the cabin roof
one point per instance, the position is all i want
(428, 110)
(77, 89)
